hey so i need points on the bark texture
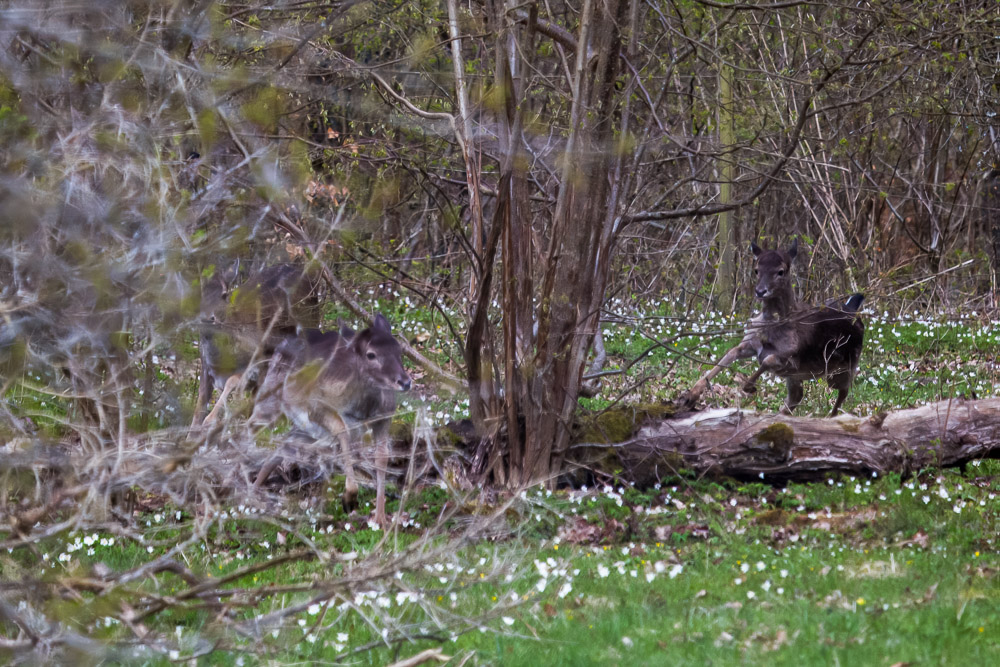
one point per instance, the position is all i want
(728, 442)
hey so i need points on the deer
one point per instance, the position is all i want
(794, 341)
(334, 385)
(241, 327)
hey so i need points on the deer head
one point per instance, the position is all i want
(774, 277)
(380, 355)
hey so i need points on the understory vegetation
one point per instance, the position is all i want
(876, 571)
(552, 205)
(860, 570)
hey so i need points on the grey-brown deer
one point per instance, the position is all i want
(335, 385)
(794, 341)
(242, 325)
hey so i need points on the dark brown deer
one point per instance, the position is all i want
(334, 385)
(241, 327)
(793, 341)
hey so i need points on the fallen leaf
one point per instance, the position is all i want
(697, 531)
(919, 540)
(580, 531)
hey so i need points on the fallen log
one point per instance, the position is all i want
(778, 448)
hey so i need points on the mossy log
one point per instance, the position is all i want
(778, 448)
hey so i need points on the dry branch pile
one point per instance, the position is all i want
(201, 482)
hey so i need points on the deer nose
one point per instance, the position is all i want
(404, 383)
(761, 293)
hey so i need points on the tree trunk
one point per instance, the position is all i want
(726, 283)
(775, 448)
(576, 272)
(990, 210)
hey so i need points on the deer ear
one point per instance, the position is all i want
(755, 249)
(793, 249)
(360, 341)
(380, 323)
(344, 330)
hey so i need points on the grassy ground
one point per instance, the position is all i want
(851, 571)
(873, 571)
(908, 360)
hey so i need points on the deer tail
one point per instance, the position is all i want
(853, 304)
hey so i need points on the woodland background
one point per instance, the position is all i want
(490, 161)
(521, 172)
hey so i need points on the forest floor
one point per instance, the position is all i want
(695, 571)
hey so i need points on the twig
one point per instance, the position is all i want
(422, 657)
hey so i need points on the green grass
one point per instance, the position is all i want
(907, 361)
(856, 571)
(698, 571)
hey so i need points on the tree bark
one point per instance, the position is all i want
(990, 210)
(775, 448)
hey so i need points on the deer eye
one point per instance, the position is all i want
(371, 355)
(781, 273)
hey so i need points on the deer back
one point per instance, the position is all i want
(817, 341)
(282, 297)
(255, 316)
(835, 336)
(354, 374)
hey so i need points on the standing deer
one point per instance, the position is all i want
(794, 341)
(334, 385)
(243, 325)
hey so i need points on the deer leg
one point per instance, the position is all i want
(750, 386)
(794, 396)
(841, 397)
(266, 471)
(231, 384)
(339, 429)
(741, 351)
(268, 402)
(772, 363)
(380, 432)
(204, 390)
(842, 383)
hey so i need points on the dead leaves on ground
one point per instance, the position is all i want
(579, 531)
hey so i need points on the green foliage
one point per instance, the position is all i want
(264, 108)
(714, 569)
(111, 223)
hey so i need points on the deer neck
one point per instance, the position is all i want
(779, 305)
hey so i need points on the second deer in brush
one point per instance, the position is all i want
(242, 325)
(794, 341)
(335, 385)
